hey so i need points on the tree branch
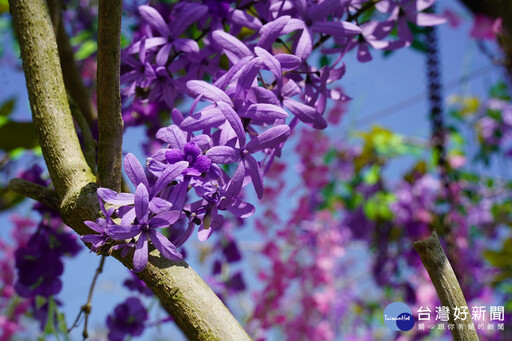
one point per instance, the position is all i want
(446, 284)
(70, 72)
(48, 99)
(34, 191)
(88, 139)
(197, 310)
(110, 121)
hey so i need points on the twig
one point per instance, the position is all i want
(447, 287)
(87, 307)
(110, 121)
(89, 141)
(34, 191)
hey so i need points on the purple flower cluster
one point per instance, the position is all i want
(261, 87)
(39, 262)
(128, 318)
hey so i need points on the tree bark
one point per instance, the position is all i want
(110, 121)
(197, 310)
(446, 284)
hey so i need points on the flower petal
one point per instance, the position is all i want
(202, 164)
(252, 166)
(141, 203)
(264, 112)
(305, 113)
(206, 118)
(241, 209)
(168, 175)
(232, 47)
(121, 232)
(181, 239)
(114, 198)
(172, 135)
(208, 91)
(159, 205)
(223, 154)
(270, 138)
(166, 248)
(234, 121)
(153, 18)
(95, 227)
(140, 256)
(134, 170)
(271, 31)
(174, 155)
(164, 219)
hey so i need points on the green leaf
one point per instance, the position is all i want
(62, 327)
(7, 107)
(49, 327)
(9, 199)
(4, 6)
(372, 175)
(324, 60)
(81, 37)
(18, 135)
(124, 41)
(86, 50)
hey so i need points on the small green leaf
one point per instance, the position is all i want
(324, 60)
(372, 175)
(124, 41)
(7, 107)
(62, 327)
(9, 199)
(18, 135)
(86, 50)
(49, 327)
(80, 37)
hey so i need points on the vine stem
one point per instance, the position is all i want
(87, 307)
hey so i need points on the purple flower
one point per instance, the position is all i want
(34, 174)
(142, 73)
(144, 227)
(39, 268)
(153, 186)
(136, 284)
(127, 319)
(191, 153)
(101, 226)
(404, 11)
(183, 14)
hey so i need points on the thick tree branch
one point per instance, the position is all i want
(48, 99)
(446, 284)
(110, 121)
(197, 310)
